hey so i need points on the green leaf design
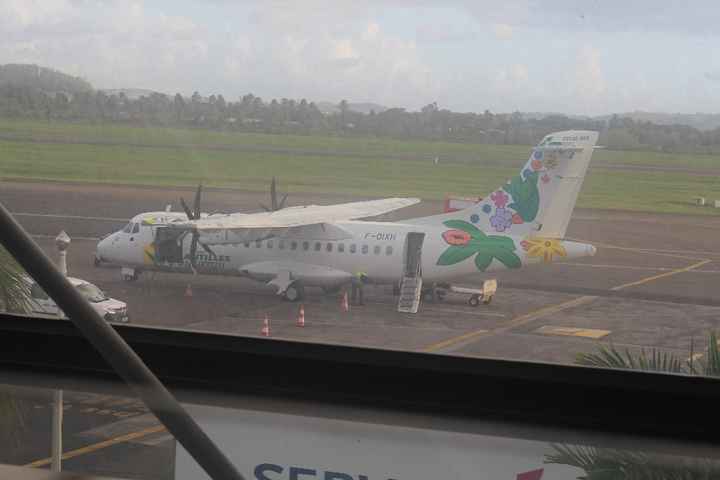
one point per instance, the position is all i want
(502, 242)
(501, 248)
(455, 254)
(487, 247)
(465, 227)
(483, 261)
(508, 258)
(525, 195)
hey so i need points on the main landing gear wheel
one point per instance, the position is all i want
(474, 301)
(294, 292)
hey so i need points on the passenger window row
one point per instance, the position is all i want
(317, 246)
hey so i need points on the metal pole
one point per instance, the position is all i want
(116, 352)
(62, 242)
(57, 421)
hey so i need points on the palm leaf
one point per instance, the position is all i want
(652, 361)
(14, 291)
(655, 360)
(711, 364)
(616, 464)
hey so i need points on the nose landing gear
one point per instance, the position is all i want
(129, 274)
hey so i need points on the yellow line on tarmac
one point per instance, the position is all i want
(100, 445)
(514, 323)
(452, 341)
(661, 275)
(541, 312)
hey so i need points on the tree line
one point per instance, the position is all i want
(251, 113)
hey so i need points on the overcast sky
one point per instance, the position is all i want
(579, 56)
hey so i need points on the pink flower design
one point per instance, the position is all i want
(500, 198)
(517, 219)
(545, 178)
(456, 237)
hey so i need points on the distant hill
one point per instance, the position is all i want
(360, 107)
(41, 78)
(131, 93)
(701, 121)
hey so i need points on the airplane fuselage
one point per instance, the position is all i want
(378, 249)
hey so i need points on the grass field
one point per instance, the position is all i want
(371, 167)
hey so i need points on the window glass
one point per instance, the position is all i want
(454, 168)
(91, 292)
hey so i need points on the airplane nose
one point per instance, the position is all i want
(102, 248)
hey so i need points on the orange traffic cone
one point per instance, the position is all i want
(266, 327)
(344, 303)
(301, 316)
(188, 291)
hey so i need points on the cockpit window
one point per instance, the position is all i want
(91, 292)
(136, 228)
(128, 228)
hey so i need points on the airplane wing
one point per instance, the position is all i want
(300, 216)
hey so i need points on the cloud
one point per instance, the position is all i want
(442, 32)
(512, 76)
(589, 77)
(503, 31)
(712, 76)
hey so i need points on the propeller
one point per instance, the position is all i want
(274, 204)
(194, 214)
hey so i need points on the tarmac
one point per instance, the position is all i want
(653, 284)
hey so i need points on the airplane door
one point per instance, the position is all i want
(411, 283)
(169, 245)
(413, 254)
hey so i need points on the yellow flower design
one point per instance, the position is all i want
(544, 247)
(149, 253)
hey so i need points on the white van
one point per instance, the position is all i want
(110, 309)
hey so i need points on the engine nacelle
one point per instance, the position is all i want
(310, 275)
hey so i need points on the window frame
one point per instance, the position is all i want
(563, 396)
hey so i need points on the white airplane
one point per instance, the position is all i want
(522, 223)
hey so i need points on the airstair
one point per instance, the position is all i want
(411, 284)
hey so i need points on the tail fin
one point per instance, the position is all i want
(541, 198)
